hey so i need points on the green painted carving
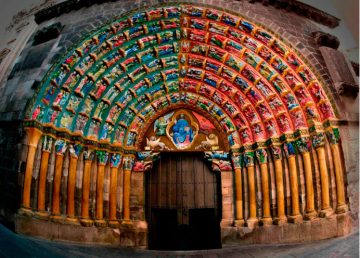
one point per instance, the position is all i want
(333, 135)
(303, 144)
(261, 155)
(102, 157)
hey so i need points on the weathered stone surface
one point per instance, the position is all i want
(341, 71)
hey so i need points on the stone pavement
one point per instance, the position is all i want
(14, 245)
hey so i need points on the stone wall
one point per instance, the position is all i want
(35, 60)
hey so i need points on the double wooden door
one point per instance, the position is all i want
(183, 203)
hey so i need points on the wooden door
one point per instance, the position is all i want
(182, 183)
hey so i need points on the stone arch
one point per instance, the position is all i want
(105, 92)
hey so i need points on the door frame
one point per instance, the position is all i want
(221, 194)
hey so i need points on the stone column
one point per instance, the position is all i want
(239, 216)
(334, 136)
(290, 152)
(33, 135)
(114, 164)
(74, 150)
(252, 221)
(46, 150)
(318, 143)
(102, 158)
(85, 218)
(261, 155)
(304, 147)
(281, 218)
(60, 148)
(128, 163)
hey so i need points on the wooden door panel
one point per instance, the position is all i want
(183, 184)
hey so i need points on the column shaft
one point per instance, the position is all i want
(126, 201)
(71, 187)
(99, 192)
(310, 201)
(252, 194)
(265, 194)
(295, 209)
(325, 192)
(113, 188)
(85, 195)
(33, 139)
(238, 191)
(339, 177)
(42, 180)
(279, 192)
(57, 182)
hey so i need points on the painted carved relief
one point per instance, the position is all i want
(183, 130)
(118, 78)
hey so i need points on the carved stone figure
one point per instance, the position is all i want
(153, 143)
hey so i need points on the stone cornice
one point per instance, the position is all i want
(299, 8)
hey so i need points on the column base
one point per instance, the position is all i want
(42, 215)
(72, 221)
(113, 223)
(86, 222)
(342, 209)
(252, 222)
(127, 223)
(56, 218)
(25, 211)
(226, 223)
(280, 221)
(239, 223)
(295, 219)
(100, 223)
(266, 221)
(310, 215)
(326, 213)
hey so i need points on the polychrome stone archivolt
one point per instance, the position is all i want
(117, 79)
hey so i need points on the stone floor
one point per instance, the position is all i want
(14, 245)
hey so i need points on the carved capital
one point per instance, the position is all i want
(115, 160)
(145, 160)
(290, 149)
(333, 135)
(219, 155)
(303, 144)
(128, 162)
(47, 142)
(88, 154)
(318, 140)
(237, 161)
(60, 147)
(276, 152)
(102, 157)
(261, 155)
(249, 159)
(75, 150)
(221, 165)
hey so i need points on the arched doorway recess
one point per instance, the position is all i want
(183, 203)
(274, 122)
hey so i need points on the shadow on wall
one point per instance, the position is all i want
(11, 167)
